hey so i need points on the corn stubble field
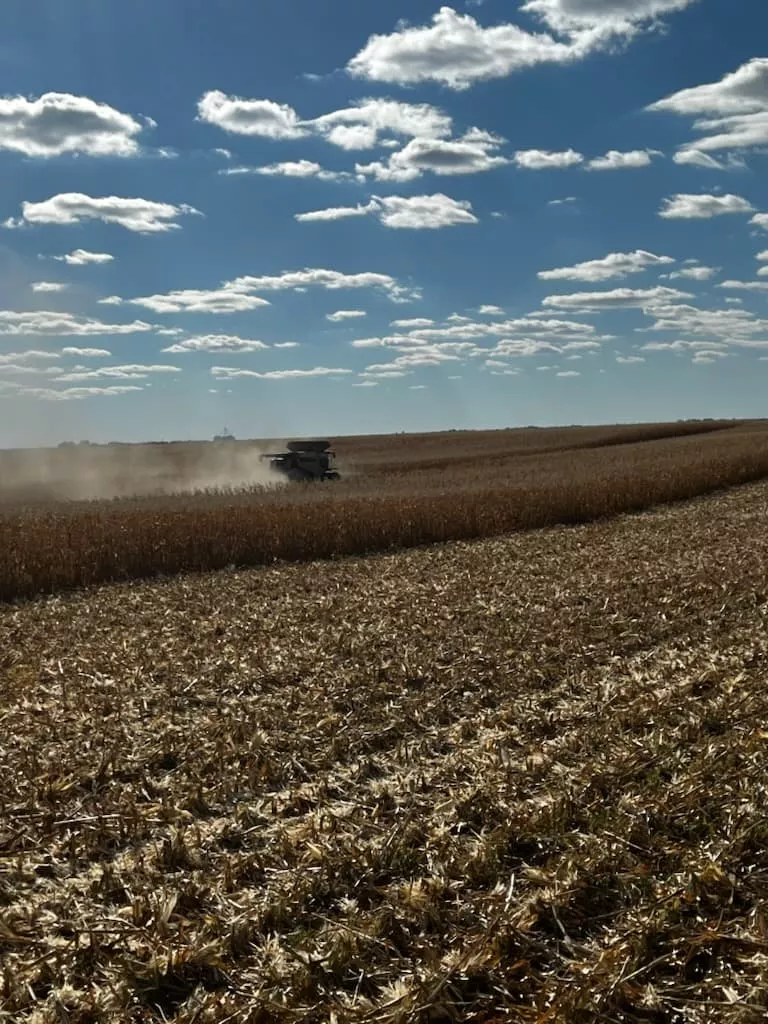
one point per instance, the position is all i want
(516, 778)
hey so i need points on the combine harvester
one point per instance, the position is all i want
(305, 461)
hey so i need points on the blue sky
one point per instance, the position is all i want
(296, 218)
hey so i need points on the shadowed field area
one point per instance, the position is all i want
(514, 779)
(396, 492)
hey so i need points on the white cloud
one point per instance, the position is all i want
(618, 298)
(228, 372)
(541, 159)
(616, 161)
(473, 153)
(286, 344)
(416, 212)
(345, 314)
(249, 117)
(745, 286)
(696, 158)
(685, 206)
(81, 257)
(225, 153)
(48, 286)
(562, 373)
(332, 280)
(694, 273)
(240, 295)
(28, 355)
(74, 394)
(292, 169)
(86, 353)
(216, 343)
(130, 371)
(455, 50)
(562, 202)
(413, 322)
(762, 255)
(491, 311)
(760, 220)
(615, 265)
(601, 16)
(198, 300)
(628, 360)
(360, 125)
(417, 387)
(365, 384)
(435, 211)
(334, 213)
(45, 322)
(58, 122)
(739, 103)
(140, 215)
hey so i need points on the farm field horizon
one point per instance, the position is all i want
(519, 778)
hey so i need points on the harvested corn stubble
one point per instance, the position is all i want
(512, 779)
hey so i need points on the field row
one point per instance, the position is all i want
(519, 779)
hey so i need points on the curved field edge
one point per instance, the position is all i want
(517, 779)
(59, 550)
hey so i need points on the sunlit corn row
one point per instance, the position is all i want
(97, 542)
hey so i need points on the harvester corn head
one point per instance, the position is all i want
(305, 461)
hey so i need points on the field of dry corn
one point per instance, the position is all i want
(397, 492)
(516, 779)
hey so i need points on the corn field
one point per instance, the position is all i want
(395, 495)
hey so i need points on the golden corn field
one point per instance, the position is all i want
(397, 492)
(512, 778)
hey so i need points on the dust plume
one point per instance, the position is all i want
(102, 472)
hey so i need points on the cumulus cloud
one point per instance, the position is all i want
(745, 286)
(360, 126)
(694, 273)
(140, 215)
(291, 169)
(614, 265)
(82, 257)
(614, 160)
(48, 286)
(414, 212)
(737, 109)
(241, 294)
(58, 122)
(228, 372)
(695, 158)
(563, 373)
(334, 213)
(490, 311)
(48, 323)
(249, 117)
(685, 206)
(216, 343)
(129, 371)
(345, 314)
(541, 159)
(760, 220)
(412, 322)
(455, 50)
(197, 300)
(75, 394)
(473, 153)
(618, 298)
(86, 353)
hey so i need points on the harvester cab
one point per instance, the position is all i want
(305, 461)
